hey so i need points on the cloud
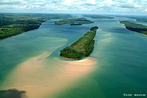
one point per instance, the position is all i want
(127, 6)
(10, 3)
(130, 1)
(91, 1)
(110, 2)
(76, 6)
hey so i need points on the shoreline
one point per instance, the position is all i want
(82, 47)
(23, 31)
(36, 76)
(138, 28)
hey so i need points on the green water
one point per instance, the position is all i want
(120, 55)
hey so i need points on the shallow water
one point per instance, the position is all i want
(120, 56)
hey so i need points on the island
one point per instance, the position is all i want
(82, 47)
(13, 24)
(73, 21)
(135, 27)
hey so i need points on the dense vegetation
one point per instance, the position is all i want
(82, 47)
(13, 24)
(135, 27)
(74, 21)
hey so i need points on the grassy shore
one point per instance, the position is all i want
(135, 27)
(82, 47)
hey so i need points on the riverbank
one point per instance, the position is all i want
(135, 27)
(13, 24)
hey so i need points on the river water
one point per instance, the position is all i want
(120, 56)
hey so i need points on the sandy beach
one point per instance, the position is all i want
(39, 80)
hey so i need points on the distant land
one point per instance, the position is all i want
(82, 47)
(135, 27)
(140, 18)
(13, 24)
(73, 21)
(99, 16)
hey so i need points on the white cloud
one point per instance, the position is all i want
(109, 2)
(130, 1)
(136, 5)
(67, 2)
(91, 1)
(79, 6)
(71, 2)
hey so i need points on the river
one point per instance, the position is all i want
(30, 62)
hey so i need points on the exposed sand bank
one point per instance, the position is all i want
(40, 81)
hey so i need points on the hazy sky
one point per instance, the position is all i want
(75, 6)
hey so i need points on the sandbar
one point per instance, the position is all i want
(39, 80)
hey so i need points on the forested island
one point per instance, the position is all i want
(73, 21)
(13, 24)
(82, 47)
(135, 27)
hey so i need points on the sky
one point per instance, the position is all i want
(75, 6)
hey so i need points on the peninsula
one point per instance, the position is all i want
(82, 47)
(73, 21)
(135, 27)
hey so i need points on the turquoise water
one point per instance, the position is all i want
(122, 66)
(120, 55)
